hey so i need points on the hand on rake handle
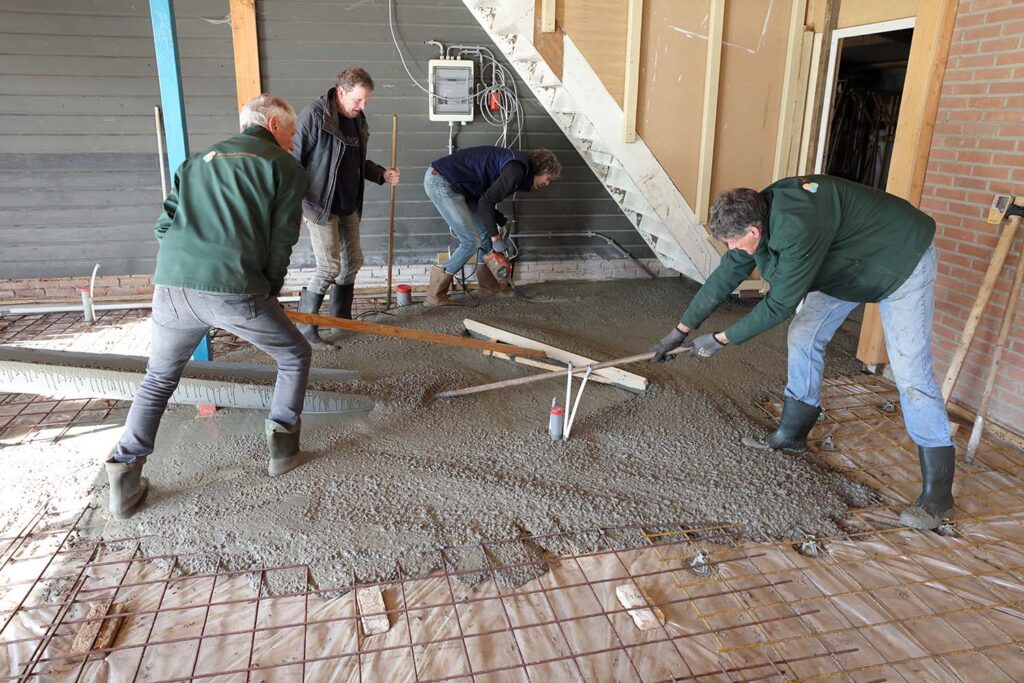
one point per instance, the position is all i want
(705, 345)
(670, 341)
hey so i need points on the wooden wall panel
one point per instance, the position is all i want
(673, 54)
(598, 28)
(860, 12)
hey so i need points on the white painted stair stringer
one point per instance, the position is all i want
(630, 172)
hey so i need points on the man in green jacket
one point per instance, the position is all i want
(832, 244)
(226, 236)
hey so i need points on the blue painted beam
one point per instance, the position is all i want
(172, 105)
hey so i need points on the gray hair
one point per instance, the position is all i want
(258, 110)
(349, 79)
(736, 211)
(544, 162)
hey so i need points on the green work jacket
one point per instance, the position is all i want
(823, 234)
(232, 218)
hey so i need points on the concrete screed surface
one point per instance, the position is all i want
(416, 474)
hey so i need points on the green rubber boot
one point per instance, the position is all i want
(797, 420)
(284, 447)
(938, 465)
(127, 486)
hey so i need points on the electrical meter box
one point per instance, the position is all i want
(451, 89)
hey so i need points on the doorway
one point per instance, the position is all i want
(866, 72)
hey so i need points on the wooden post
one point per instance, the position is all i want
(632, 83)
(933, 31)
(790, 84)
(247, 50)
(547, 15)
(391, 210)
(712, 70)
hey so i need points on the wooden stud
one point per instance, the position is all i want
(631, 88)
(933, 31)
(547, 15)
(808, 136)
(709, 115)
(408, 333)
(790, 77)
(796, 135)
(247, 50)
(820, 75)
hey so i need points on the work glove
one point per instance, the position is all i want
(670, 341)
(499, 245)
(705, 345)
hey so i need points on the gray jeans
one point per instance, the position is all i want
(336, 250)
(181, 317)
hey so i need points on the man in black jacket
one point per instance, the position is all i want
(330, 142)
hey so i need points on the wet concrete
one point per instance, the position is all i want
(417, 474)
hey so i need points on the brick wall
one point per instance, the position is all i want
(133, 287)
(978, 152)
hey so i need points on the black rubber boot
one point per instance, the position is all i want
(797, 420)
(341, 301)
(310, 302)
(284, 448)
(127, 486)
(938, 465)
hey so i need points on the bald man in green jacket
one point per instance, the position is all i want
(832, 244)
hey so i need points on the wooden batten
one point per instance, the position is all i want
(631, 84)
(246, 48)
(712, 71)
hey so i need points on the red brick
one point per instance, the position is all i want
(999, 73)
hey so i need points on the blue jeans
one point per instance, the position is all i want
(461, 215)
(181, 317)
(907, 321)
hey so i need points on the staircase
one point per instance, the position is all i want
(592, 120)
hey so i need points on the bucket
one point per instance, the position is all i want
(555, 421)
(404, 297)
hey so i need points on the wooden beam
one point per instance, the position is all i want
(819, 75)
(547, 15)
(933, 31)
(709, 114)
(408, 333)
(621, 378)
(247, 50)
(790, 85)
(631, 87)
(797, 132)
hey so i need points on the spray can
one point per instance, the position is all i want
(555, 420)
(90, 314)
(404, 297)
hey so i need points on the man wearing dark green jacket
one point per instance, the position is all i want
(226, 236)
(832, 244)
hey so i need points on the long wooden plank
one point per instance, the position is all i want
(247, 51)
(933, 31)
(550, 367)
(408, 333)
(626, 380)
(709, 115)
(557, 374)
(631, 84)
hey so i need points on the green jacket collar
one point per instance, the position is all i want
(258, 131)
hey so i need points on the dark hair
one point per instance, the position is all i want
(356, 76)
(735, 211)
(544, 162)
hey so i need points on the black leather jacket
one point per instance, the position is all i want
(319, 148)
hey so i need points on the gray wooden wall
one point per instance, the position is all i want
(79, 180)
